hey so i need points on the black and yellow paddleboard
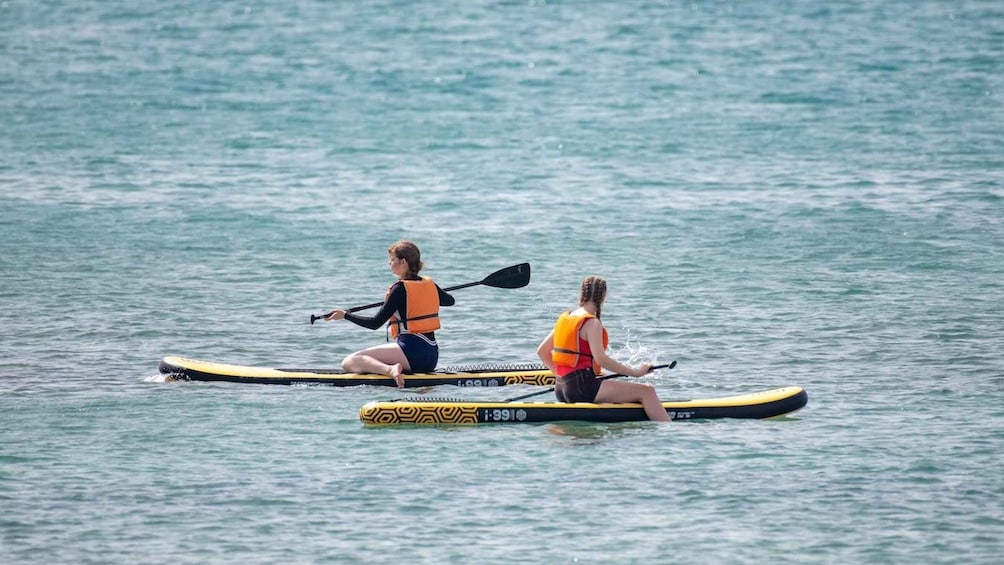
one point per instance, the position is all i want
(756, 405)
(486, 374)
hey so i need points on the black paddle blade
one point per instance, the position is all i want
(516, 276)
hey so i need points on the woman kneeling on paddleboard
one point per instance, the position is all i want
(575, 351)
(411, 312)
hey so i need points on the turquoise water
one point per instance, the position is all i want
(781, 193)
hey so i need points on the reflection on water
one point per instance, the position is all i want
(593, 430)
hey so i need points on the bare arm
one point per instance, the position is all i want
(593, 330)
(545, 350)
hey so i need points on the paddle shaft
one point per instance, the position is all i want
(516, 276)
(377, 304)
(603, 378)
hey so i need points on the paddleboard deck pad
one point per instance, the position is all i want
(437, 411)
(483, 374)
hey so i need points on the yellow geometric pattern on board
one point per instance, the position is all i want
(418, 414)
(542, 379)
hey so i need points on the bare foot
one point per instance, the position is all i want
(395, 373)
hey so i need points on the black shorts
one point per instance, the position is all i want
(422, 352)
(577, 386)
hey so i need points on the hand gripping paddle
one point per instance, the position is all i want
(516, 276)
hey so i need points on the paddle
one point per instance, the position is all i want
(603, 378)
(516, 276)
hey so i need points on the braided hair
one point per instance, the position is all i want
(593, 289)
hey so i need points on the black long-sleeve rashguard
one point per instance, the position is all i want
(397, 302)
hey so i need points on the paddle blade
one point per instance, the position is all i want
(516, 276)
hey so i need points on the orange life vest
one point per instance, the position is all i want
(423, 308)
(568, 346)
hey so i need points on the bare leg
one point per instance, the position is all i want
(620, 391)
(385, 359)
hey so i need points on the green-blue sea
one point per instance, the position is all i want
(778, 193)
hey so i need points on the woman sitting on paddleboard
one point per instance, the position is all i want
(411, 312)
(575, 351)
